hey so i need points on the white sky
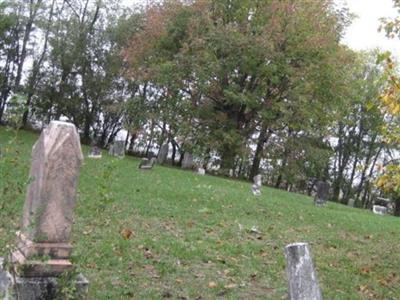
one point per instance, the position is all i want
(363, 33)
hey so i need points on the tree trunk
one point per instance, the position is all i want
(33, 9)
(173, 152)
(262, 139)
(396, 210)
(36, 68)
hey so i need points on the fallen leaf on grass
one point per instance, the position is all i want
(126, 233)
(212, 285)
(254, 229)
(389, 280)
(263, 253)
(365, 270)
(179, 280)
(230, 286)
(148, 254)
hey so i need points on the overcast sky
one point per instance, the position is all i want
(363, 33)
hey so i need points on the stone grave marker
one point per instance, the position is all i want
(187, 162)
(43, 243)
(95, 152)
(162, 154)
(321, 197)
(256, 187)
(201, 171)
(302, 278)
(379, 210)
(351, 202)
(147, 164)
(117, 149)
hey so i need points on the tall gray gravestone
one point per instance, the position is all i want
(43, 243)
(162, 154)
(322, 195)
(256, 187)
(187, 162)
(302, 278)
(117, 149)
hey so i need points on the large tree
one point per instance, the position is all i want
(239, 69)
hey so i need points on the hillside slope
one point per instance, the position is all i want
(168, 233)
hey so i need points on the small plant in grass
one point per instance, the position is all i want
(105, 179)
(66, 286)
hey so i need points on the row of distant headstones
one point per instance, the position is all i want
(322, 188)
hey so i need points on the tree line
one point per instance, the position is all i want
(247, 86)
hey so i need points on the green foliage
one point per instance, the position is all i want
(66, 285)
(238, 63)
(15, 109)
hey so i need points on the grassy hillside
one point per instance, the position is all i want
(190, 235)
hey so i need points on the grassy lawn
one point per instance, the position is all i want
(168, 233)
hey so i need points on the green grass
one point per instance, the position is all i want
(190, 231)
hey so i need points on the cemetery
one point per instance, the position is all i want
(202, 149)
(173, 234)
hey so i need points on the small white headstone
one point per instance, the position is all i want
(379, 210)
(201, 171)
(256, 187)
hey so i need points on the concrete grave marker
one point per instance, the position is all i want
(256, 187)
(162, 154)
(187, 162)
(43, 244)
(351, 202)
(117, 149)
(201, 171)
(147, 164)
(303, 283)
(321, 197)
(95, 152)
(380, 210)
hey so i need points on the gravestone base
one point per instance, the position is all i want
(47, 288)
(39, 288)
(320, 202)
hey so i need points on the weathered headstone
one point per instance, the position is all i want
(322, 194)
(187, 162)
(95, 152)
(302, 278)
(117, 149)
(351, 202)
(162, 154)
(147, 164)
(201, 171)
(43, 244)
(256, 187)
(380, 210)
